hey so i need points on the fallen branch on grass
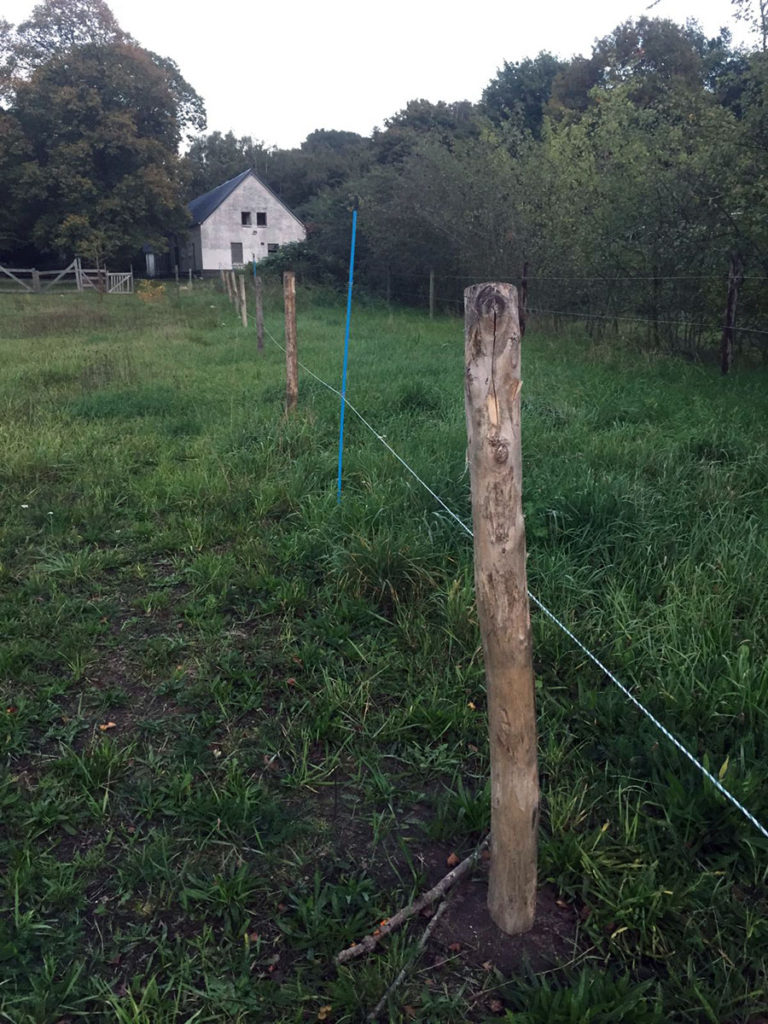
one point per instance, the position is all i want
(370, 942)
(374, 1014)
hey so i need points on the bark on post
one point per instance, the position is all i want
(258, 287)
(735, 277)
(431, 295)
(242, 302)
(291, 356)
(492, 351)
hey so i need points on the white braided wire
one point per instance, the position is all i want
(550, 615)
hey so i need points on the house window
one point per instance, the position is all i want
(261, 219)
(245, 218)
(272, 247)
(236, 250)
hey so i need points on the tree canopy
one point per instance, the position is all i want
(92, 126)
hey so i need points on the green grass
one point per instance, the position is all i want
(297, 689)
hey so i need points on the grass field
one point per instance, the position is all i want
(240, 725)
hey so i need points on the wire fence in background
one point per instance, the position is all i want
(712, 779)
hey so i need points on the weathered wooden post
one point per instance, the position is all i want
(258, 287)
(190, 277)
(492, 351)
(291, 356)
(431, 295)
(35, 280)
(242, 302)
(735, 277)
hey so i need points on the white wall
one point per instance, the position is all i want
(224, 226)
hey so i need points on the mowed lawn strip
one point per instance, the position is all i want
(240, 725)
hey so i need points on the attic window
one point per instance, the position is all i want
(245, 218)
(261, 219)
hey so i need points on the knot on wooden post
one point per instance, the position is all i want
(489, 301)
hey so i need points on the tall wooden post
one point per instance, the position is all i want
(431, 295)
(258, 287)
(190, 277)
(242, 303)
(35, 280)
(492, 351)
(291, 356)
(735, 277)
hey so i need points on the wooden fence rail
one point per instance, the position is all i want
(74, 277)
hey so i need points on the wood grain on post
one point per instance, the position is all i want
(258, 287)
(492, 351)
(291, 356)
(242, 301)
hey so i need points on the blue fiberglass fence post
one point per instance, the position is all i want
(346, 349)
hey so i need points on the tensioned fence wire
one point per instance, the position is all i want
(726, 793)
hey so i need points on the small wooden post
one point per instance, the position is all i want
(291, 356)
(35, 280)
(735, 277)
(176, 272)
(492, 350)
(431, 295)
(190, 277)
(242, 303)
(258, 287)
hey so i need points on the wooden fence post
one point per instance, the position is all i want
(431, 295)
(291, 356)
(735, 277)
(258, 287)
(492, 352)
(242, 303)
(35, 280)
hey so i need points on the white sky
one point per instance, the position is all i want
(277, 71)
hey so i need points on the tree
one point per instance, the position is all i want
(216, 158)
(521, 91)
(755, 14)
(101, 175)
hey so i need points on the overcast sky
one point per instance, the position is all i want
(277, 71)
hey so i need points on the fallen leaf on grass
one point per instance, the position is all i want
(452, 860)
(410, 1011)
(290, 682)
(323, 1012)
(496, 1006)
(11, 710)
(108, 725)
(455, 947)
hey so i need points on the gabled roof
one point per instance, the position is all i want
(202, 207)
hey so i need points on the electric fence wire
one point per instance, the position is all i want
(550, 615)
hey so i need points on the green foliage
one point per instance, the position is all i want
(92, 130)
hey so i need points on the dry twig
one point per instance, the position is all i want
(374, 1014)
(370, 942)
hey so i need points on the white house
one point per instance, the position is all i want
(234, 223)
